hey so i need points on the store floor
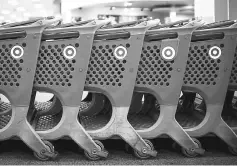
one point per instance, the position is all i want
(15, 152)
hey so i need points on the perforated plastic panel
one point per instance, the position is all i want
(53, 69)
(84, 106)
(10, 68)
(47, 122)
(4, 118)
(94, 122)
(201, 68)
(140, 121)
(233, 78)
(43, 106)
(4, 106)
(153, 70)
(104, 68)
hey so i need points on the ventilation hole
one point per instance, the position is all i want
(149, 64)
(103, 63)
(10, 66)
(199, 63)
(51, 69)
(76, 45)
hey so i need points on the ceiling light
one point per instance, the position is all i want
(18, 19)
(43, 13)
(4, 11)
(126, 9)
(38, 5)
(20, 9)
(127, 4)
(189, 7)
(146, 9)
(8, 21)
(13, 2)
(13, 16)
(112, 8)
(27, 14)
(173, 14)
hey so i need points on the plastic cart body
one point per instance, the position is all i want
(61, 69)
(19, 47)
(229, 113)
(112, 71)
(160, 73)
(208, 71)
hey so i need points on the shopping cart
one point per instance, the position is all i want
(160, 74)
(208, 71)
(62, 64)
(229, 113)
(19, 44)
(112, 71)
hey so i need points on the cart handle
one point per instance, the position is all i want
(172, 24)
(219, 24)
(127, 24)
(73, 24)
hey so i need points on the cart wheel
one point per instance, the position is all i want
(232, 150)
(175, 146)
(50, 147)
(191, 153)
(141, 155)
(94, 157)
(127, 148)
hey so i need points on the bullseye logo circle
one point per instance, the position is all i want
(69, 52)
(168, 53)
(120, 52)
(215, 52)
(17, 52)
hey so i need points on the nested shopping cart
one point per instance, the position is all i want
(229, 113)
(112, 71)
(95, 102)
(19, 46)
(61, 69)
(160, 74)
(207, 73)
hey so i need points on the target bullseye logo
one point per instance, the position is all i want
(120, 52)
(17, 52)
(168, 53)
(69, 52)
(215, 52)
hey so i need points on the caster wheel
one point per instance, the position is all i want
(232, 150)
(50, 147)
(141, 155)
(127, 148)
(94, 157)
(175, 146)
(191, 153)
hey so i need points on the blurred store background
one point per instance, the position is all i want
(118, 10)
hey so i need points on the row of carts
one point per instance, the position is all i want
(134, 73)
